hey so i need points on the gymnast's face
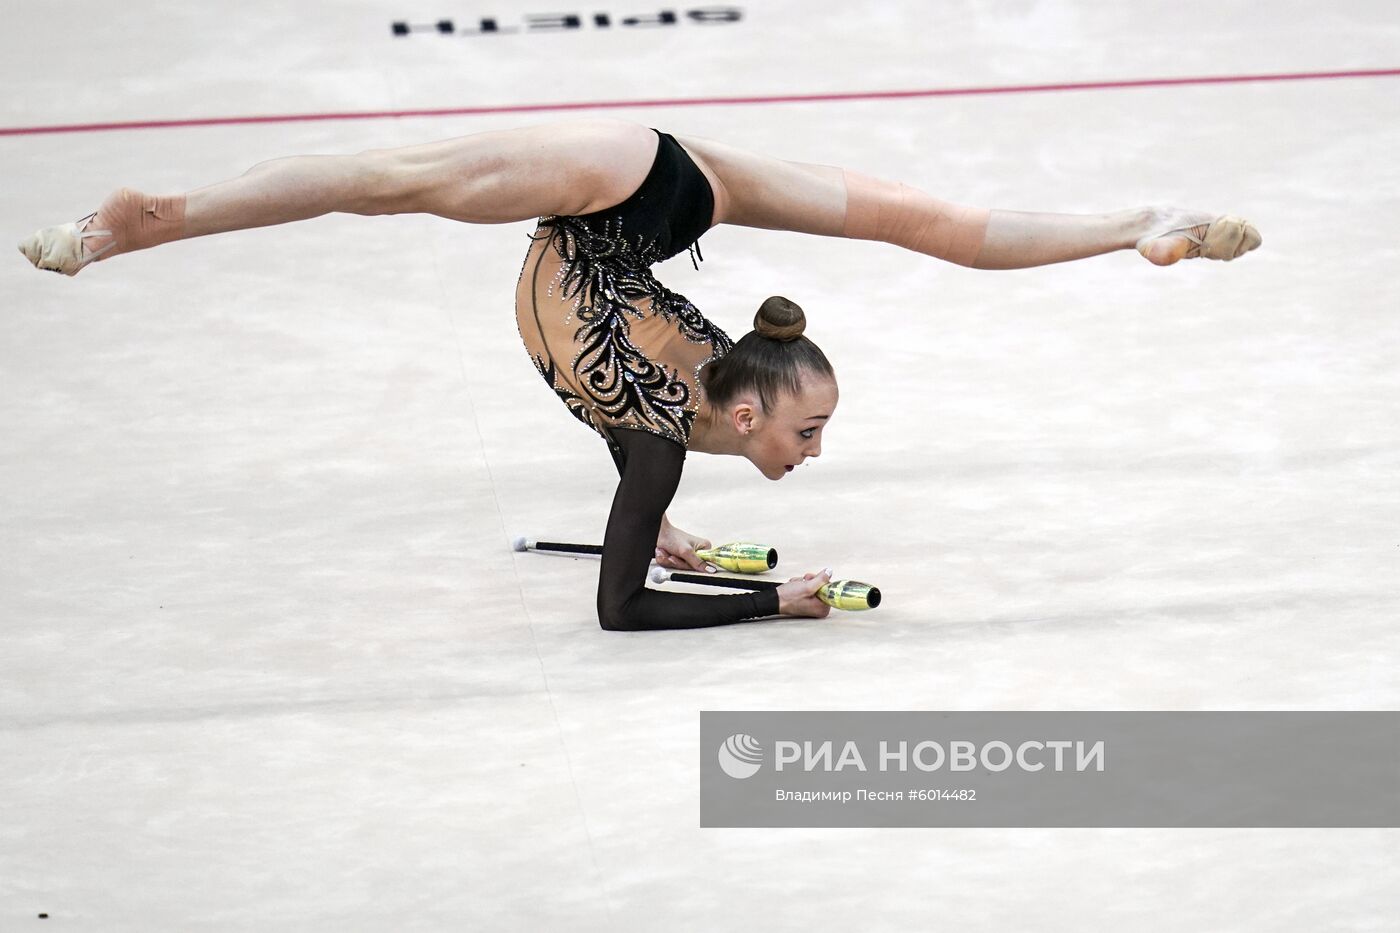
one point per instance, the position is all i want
(782, 438)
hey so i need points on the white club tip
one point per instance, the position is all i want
(659, 575)
(519, 544)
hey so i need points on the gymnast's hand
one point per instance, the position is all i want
(795, 597)
(675, 549)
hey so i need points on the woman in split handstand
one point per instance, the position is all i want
(633, 360)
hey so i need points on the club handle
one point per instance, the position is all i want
(706, 579)
(738, 557)
(525, 544)
(850, 595)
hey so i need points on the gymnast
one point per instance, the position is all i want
(631, 359)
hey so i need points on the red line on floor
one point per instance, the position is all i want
(695, 102)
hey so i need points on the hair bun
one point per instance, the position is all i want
(779, 319)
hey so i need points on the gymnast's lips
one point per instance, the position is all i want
(788, 468)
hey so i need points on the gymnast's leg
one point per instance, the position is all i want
(495, 177)
(760, 191)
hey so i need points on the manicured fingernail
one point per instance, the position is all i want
(709, 569)
(827, 571)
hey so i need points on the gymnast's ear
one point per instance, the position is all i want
(744, 413)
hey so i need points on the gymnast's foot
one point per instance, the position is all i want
(1186, 234)
(127, 220)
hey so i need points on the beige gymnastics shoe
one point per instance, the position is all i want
(1225, 238)
(130, 220)
(60, 249)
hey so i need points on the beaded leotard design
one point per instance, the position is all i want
(619, 348)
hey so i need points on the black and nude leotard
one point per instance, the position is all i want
(624, 354)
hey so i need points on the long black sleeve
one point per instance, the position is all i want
(651, 470)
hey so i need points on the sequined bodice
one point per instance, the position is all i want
(618, 347)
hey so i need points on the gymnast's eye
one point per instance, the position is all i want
(807, 433)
